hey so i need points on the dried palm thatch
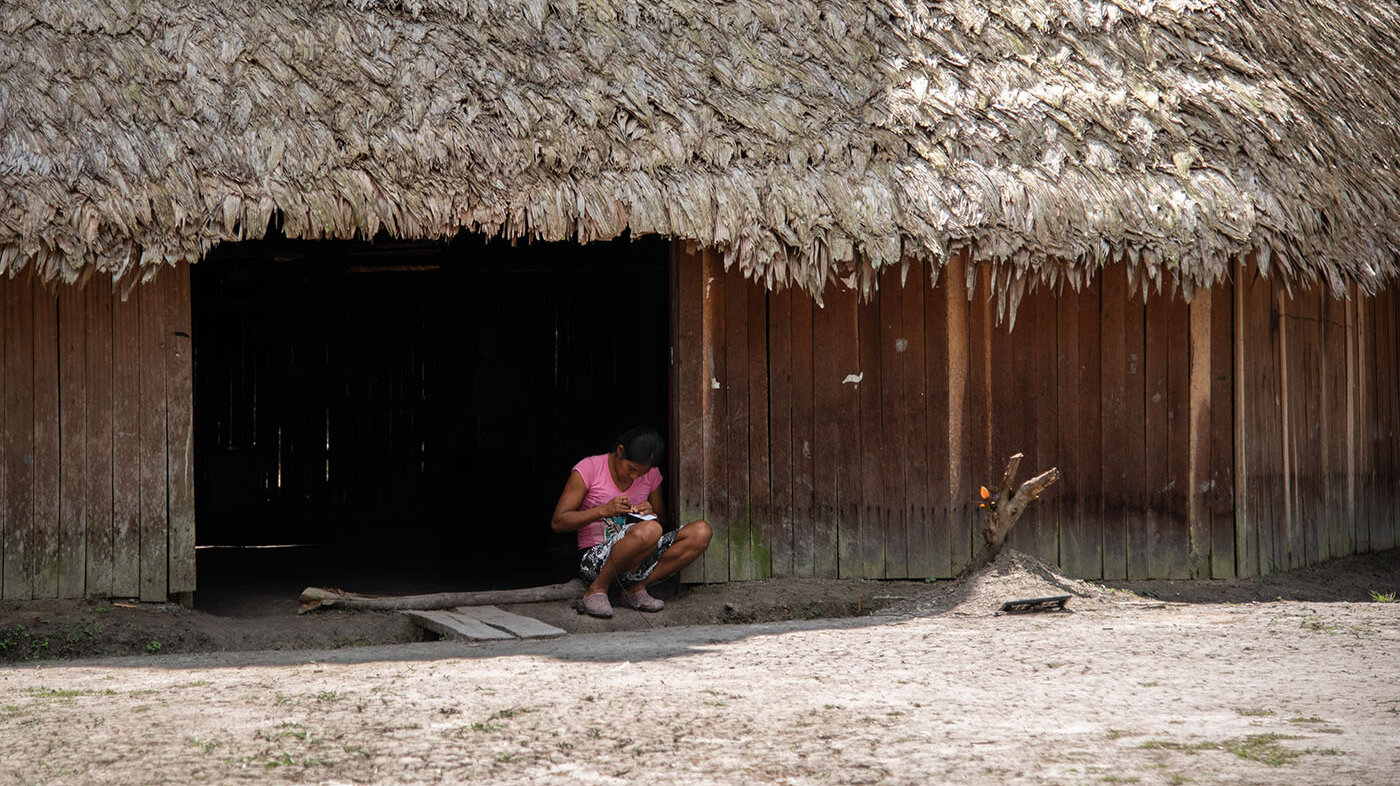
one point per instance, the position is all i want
(809, 141)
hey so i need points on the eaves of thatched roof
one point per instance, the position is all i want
(808, 141)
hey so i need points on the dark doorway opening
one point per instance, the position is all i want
(401, 416)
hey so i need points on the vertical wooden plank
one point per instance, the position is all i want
(1363, 324)
(72, 412)
(714, 384)
(1347, 534)
(912, 428)
(1008, 370)
(18, 579)
(804, 520)
(1068, 456)
(981, 459)
(47, 532)
(154, 524)
(780, 430)
(97, 301)
(1337, 377)
(830, 443)
(1176, 539)
(5, 524)
(736, 421)
(1263, 392)
(688, 351)
(842, 384)
(1044, 416)
(1387, 419)
(1246, 534)
(1288, 546)
(936, 539)
(126, 442)
(872, 507)
(1136, 534)
(1150, 555)
(1117, 442)
(1221, 494)
(891, 500)
(952, 449)
(758, 563)
(179, 375)
(1198, 477)
(1081, 415)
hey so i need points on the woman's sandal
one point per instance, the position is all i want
(597, 605)
(641, 600)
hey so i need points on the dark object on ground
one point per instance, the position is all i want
(1056, 603)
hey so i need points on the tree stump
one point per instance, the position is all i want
(1004, 509)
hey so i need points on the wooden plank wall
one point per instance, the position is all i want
(848, 439)
(95, 439)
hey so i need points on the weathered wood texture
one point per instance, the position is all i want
(95, 439)
(1249, 431)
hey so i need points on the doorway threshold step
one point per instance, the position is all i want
(482, 623)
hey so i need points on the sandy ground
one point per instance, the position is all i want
(1120, 689)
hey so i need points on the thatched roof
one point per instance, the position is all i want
(808, 140)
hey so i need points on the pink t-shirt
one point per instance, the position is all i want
(601, 490)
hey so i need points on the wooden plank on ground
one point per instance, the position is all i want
(870, 455)
(451, 625)
(517, 625)
(687, 435)
(739, 540)
(715, 563)
(179, 388)
(97, 298)
(1221, 495)
(18, 569)
(780, 467)
(1117, 444)
(804, 517)
(72, 414)
(47, 530)
(154, 526)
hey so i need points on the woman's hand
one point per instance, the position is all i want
(620, 506)
(643, 508)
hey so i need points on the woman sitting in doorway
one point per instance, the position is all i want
(613, 500)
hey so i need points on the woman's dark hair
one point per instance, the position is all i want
(642, 445)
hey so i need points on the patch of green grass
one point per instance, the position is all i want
(329, 696)
(1306, 720)
(1377, 597)
(1117, 779)
(1177, 779)
(1254, 712)
(1263, 748)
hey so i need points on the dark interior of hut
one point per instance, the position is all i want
(400, 417)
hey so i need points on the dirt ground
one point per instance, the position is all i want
(1294, 679)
